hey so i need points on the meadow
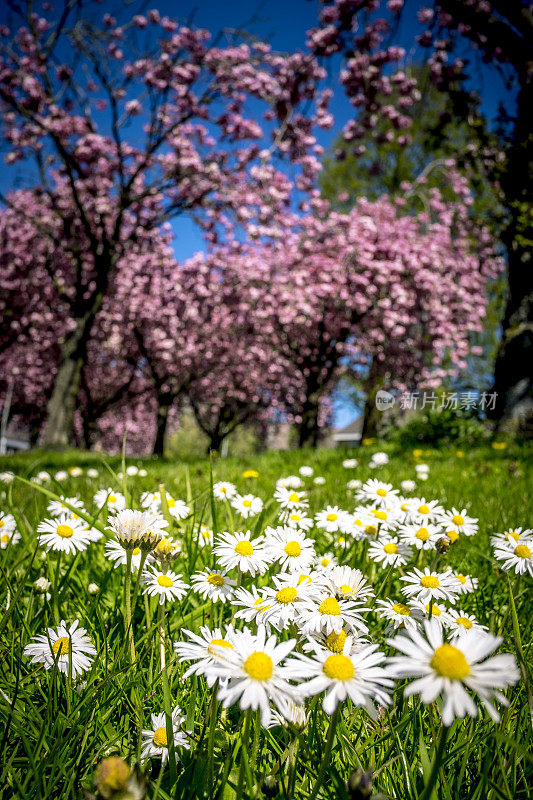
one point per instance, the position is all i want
(103, 722)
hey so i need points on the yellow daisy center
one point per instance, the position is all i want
(218, 643)
(436, 612)
(405, 506)
(449, 662)
(402, 609)
(60, 646)
(286, 595)
(215, 580)
(382, 492)
(5, 538)
(164, 580)
(338, 667)
(522, 551)
(136, 551)
(223, 490)
(371, 530)
(160, 737)
(111, 499)
(335, 641)
(2, 523)
(429, 582)
(247, 503)
(65, 531)
(423, 509)
(380, 514)
(330, 606)
(345, 589)
(422, 534)
(244, 548)
(259, 666)
(171, 502)
(513, 534)
(295, 517)
(390, 548)
(303, 578)
(293, 549)
(461, 578)
(294, 497)
(465, 622)
(331, 517)
(458, 520)
(452, 536)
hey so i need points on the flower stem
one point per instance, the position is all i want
(166, 696)
(435, 767)
(127, 607)
(244, 766)
(56, 589)
(327, 753)
(213, 713)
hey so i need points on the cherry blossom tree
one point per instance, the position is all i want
(176, 137)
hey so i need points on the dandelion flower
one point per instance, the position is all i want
(55, 647)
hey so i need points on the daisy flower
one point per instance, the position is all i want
(58, 507)
(460, 621)
(427, 585)
(319, 480)
(348, 583)
(355, 483)
(290, 498)
(423, 537)
(223, 490)
(350, 463)
(256, 675)
(398, 615)
(290, 482)
(450, 670)
(459, 522)
(423, 510)
(8, 537)
(408, 486)
(205, 649)
(440, 615)
(166, 585)
(213, 585)
(55, 647)
(282, 600)
(177, 509)
(62, 475)
(465, 584)
(114, 500)
(356, 675)
(132, 527)
(387, 551)
(306, 472)
(247, 505)
(329, 519)
(63, 534)
(379, 493)
(296, 519)
(75, 472)
(253, 603)
(334, 642)
(93, 533)
(379, 459)
(205, 536)
(155, 741)
(518, 556)
(326, 613)
(290, 548)
(327, 561)
(240, 551)
(7, 522)
(117, 553)
(510, 536)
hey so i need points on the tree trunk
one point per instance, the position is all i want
(164, 404)
(215, 442)
(308, 427)
(59, 429)
(513, 374)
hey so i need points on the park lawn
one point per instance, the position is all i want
(54, 732)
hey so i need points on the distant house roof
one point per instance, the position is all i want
(350, 433)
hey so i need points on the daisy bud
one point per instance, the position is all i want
(92, 588)
(270, 787)
(41, 585)
(112, 776)
(360, 784)
(443, 545)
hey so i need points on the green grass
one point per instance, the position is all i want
(54, 732)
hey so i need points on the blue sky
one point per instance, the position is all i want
(284, 24)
